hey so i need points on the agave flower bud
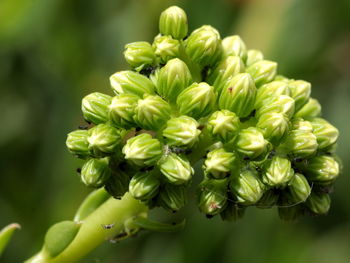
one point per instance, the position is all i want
(131, 82)
(198, 100)
(139, 55)
(251, 142)
(289, 213)
(268, 200)
(173, 78)
(247, 187)
(176, 169)
(166, 48)
(300, 143)
(300, 92)
(181, 131)
(325, 132)
(318, 203)
(232, 212)
(77, 143)
(302, 125)
(224, 71)
(262, 71)
(172, 197)
(122, 110)
(253, 56)
(321, 169)
(223, 125)
(144, 185)
(278, 172)
(118, 183)
(219, 163)
(203, 46)
(213, 196)
(95, 172)
(274, 126)
(282, 78)
(173, 22)
(311, 109)
(298, 189)
(282, 104)
(238, 95)
(95, 107)
(152, 112)
(142, 150)
(269, 90)
(234, 46)
(103, 140)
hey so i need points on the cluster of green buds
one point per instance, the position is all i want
(196, 97)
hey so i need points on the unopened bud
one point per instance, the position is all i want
(223, 125)
(144, 185)
(176, 169)
(139, 55)
(302, 125)
(118, 183)
(268, 200)
(77, 143)
(253, 56)
(213, 196)
(298, 189)
(219, 163)
(262, 71)
(300, 92)
(278, 172)
(122, 110)
(311, 109)
(269, 90)
(325, 132)
(300, 143)
(95, 172)
(251, 142)
(234, 46)
(95, 107)
(172, 197)
(274, 126)
(173, 22)
(103, 140)
(166, 48)
(282, 104)
(321, 169)
(318, 203)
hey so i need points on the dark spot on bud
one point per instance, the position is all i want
(230, 89)
(246, 158)
(78, 170)
(201, 127)
(137, 129)
(209, 216)
(148, 71)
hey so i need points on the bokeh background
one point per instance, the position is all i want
(54, 52)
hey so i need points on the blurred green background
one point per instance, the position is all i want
(53, 52)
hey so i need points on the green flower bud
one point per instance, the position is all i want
(118, 183)
(282, 104)
(173, 22)
(224, 71)
(203, 46)
(166, 48)
(300, 92)
(269, 90)
(142, 150)
(298, 189)
(262, 71)
(139, 55)
(177, 170)
(198, 100)
(318, 203)
(173, 78)
(311, 109)
(301, 124)
(103, 140)
(232, 212)
(223, 125)
(274, 126)
(77, 143)
(282, 78)
(213, 196)
(289, 213)
(238, 95)
(300, 143)
(251, 142)
(144, 185)
(278, 172)
(152, 112)
(122, 110)
(131, 82)
(95, 107)
(181, 131)
(219, 163)
(247, 187)
(95, 172)
(253, 56)
(172, 197)
(321, 169)
(268, 200)
(234, 46)
(325, 132)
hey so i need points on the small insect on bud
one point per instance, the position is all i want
(95, 107)
(251, 143)
(122, 110)
(131, 82)
(282, 104)
(268, 200)
(269, 90)
(103, 140)
(300, 92)
(321, 169)
(223, 125)
(234, 46)
(262, 71)
(95, 172)
(224, 71)
(290, 213)
(278, 172)
(152, 112)
(247, 187)
(172, 197)
(298, 189)
(300, 143)
(198, 100)
(166, 48)
(325, 132)
(238, 95)
(253, 56)
(203, 46)
(144, 185)
(139, 55)
(232, 212)
(181, 131)
(173, 22)
(77, 143)
(318, 203)
(219, 163)
(142, 150)
(311, 109)
(176, 169)
(213, 196)
(118, 183)
(173, 78)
